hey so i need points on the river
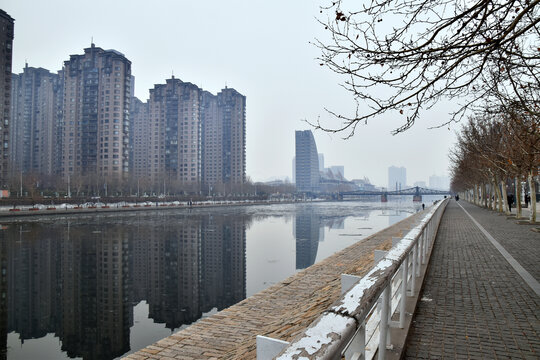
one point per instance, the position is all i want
(99, 286)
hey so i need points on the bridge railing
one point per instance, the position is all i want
(352, 328)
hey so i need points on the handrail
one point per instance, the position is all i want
(343, 326)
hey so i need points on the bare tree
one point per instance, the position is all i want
(404, 56)
(502, 144)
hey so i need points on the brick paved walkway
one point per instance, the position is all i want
(281, 311)
(474, 304)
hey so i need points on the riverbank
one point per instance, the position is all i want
(42, 210)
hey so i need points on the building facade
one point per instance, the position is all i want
(173, 136)
(188, 139)
(139, 139)
(35, 118)
(96, 124)
(6, 55)
(223, 139)
(397, 178)
(307, 162)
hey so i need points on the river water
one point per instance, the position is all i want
(99, 286)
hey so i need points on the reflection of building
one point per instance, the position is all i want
(73, 283)
(174, 271)
(3, 292)
(81, 281)
(190, 267)
(307, 233)
(94, 292)
(31, 293)
(307, 162)
(223, 262)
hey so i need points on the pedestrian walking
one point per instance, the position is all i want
(527, 199)
(423, 206)
(510, 199)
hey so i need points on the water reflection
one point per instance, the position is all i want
(80, 278)
(80, 281)
(308, 234)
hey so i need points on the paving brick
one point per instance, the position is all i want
(488, 311)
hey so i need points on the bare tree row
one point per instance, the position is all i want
(494, 148)
(34, 186)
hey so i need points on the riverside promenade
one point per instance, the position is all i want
(479, 302)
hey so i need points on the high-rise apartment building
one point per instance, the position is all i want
(6, 54)
(224, 137)
(173, 134)
(232, 116)
(35, 118)
(95, 132)
(307, 162)
(185, 138)
(139, 157)
(397, 178)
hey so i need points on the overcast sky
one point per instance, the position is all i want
(260, 48)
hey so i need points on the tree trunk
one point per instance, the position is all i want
(518, 197)
(532, 206)
(492, 198)
(505, 198)
(484, 195)
(498, 192)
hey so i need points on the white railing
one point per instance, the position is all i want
(352, 327)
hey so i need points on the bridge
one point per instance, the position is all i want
(417, 192)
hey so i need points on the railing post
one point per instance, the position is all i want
(419, 253)
(414, 270)
(425, 237)
(404, 274)
(357, 346)
(383, 324)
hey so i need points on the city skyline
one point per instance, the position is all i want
(275, 67)
(84, 124)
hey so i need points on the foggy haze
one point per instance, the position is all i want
(261, 49)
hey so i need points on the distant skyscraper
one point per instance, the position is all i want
(35, 118)
(307, 162)
(294, 169)
(95, 134)
(397, 178)
(321, 162)
(439, 182)
(338, 171)
(6, 54)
